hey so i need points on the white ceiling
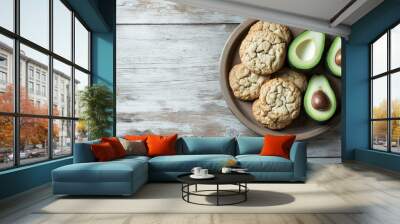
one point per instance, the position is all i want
(329, 16)
(321, 9)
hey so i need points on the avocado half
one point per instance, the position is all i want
(334, 57)
(319, 99)
(306, 50)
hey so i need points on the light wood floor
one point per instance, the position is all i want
(379, 189)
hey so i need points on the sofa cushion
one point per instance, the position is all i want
(103, 152)
(112, 171)
(249, 145)
(116, 145)
(206, 145)
(160, 145)
(134, 147)
(257, 163)
(277, 145)
(185, 163)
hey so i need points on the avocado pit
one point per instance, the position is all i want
(338, 57)
(320, 101)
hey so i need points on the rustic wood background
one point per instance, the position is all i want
(168, 77)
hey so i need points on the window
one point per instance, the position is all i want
(30, 88)
(7, 14)
(62, 137)
(62, 29)
(3, 70)
(41, 124)
(35, 21)
(385, 95)
(37, 90)
(3, 78)
(6, 73)
(43, 90)
(31, 76)
(6, 142)
(81, 45)
(81, 82)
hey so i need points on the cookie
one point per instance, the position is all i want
(278, 29)
(279, 104)
(244, 83)
(263, 52)
(299, 79)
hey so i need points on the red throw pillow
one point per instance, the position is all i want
(103, 151)
(135, 137)
(161, 145)
(277, 145)
(116, 145)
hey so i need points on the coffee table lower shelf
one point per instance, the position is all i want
(241, 191)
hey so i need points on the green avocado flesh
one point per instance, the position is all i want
(306, 50)
(319, 99)
(334, 57)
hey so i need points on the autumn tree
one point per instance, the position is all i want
(380, 127)
(33, 131)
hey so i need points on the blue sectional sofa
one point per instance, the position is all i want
(125, 176)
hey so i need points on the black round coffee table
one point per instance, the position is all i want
(238, 179)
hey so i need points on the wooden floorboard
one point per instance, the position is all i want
(377, 189)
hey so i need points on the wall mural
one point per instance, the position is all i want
(278, 79)
(169, 77)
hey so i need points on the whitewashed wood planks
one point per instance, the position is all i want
(168, 80)
(167, 12)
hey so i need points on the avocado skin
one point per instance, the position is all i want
(330, 57)
(319, 82)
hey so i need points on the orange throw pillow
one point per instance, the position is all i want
(135, 137)
(103, 152)
(116, 145)
(277, 145)
(161, 145)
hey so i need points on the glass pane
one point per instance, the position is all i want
(395, 136)
(62, 138)
(379, 135)
(34, 72)
(62, 29)
(395, 48)
(81, 45)
(33, 139)
(395, 94)
(379, 55)
(6, 74)
(62, 89)
(81, 81)
(379, 97)
(6, 142)
(81, 131)
(35, 21)
(7, 14)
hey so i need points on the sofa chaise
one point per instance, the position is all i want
(125, 176)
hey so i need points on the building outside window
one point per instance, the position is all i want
(30, 87)
(30, 72)
(3, 72)
(385, 94)
(43, 90)
(56, 129)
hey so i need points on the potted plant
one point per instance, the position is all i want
(96, 103)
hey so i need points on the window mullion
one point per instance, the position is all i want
(50, 81)
(73, 82)
(16, 85)
(389, 101)
(371, 89)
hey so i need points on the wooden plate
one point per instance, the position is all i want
(304, 127)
